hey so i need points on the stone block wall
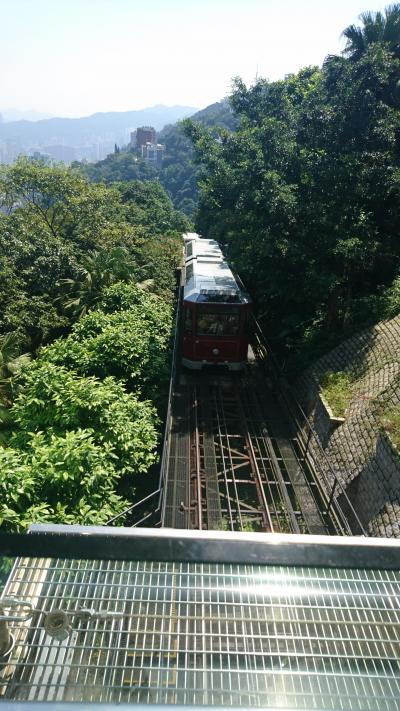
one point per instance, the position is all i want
(364, 461)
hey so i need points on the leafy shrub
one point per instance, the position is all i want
(78, 440)
(123, 296)
(67, 479)
(133, 344)
(55, 400)
(392, 299)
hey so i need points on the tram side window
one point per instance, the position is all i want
(218, 324)
(189, 272)
(188, 322)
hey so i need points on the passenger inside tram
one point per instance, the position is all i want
(218, 324)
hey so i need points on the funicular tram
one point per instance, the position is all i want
(215, 309)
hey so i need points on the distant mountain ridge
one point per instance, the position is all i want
(24, 115)
(81, 135)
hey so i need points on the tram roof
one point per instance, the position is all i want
(211, 281)
(202, 248)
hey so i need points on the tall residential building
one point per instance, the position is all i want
(145, 134)
(153, 152)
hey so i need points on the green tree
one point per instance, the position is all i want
(62, 478)
(61, 201)
(62, 231)
(99, 270)
(305, 192)
(376, 28)
(78, 448)
(77, 439)
(11, 364)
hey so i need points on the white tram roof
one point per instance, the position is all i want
(211, 281)
(208, 248)
(187, 236)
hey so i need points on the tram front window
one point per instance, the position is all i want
(218, 323)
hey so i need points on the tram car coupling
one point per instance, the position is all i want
(216, 309)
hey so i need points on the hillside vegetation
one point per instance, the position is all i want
(306, 192)
(86, 292)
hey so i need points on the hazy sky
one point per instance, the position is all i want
(76, 57)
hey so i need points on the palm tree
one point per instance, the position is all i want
(377, 27)
(101, 269)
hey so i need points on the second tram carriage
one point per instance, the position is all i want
(215, 309)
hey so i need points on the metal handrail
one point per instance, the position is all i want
(134, 506)
(178, 545)
(300, 420)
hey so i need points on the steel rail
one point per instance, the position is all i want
(197, 462)
(277, 481)
(267, 480)
(339, 521)
(168, 417)
(242, 413)
(228, 497)
(134, 506)
(266, 514)
(219, 400)
(275, 467)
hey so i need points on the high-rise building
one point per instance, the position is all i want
(153, 152)
(145, 134)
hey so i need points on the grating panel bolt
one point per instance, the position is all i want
(57, 625)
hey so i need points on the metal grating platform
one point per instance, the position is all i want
(278, 637)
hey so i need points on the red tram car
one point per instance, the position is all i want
(215, 309)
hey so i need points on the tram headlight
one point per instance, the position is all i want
(215, 351)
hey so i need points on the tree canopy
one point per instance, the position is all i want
(376, 28)
(86, 301)
(306, 192)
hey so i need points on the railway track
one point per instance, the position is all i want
(236, 456)
(232, 465)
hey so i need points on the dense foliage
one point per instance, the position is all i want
(306, 192)
(127, 337)
(119, 166)
(88, 276)
(59, 234)
(75, 440)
